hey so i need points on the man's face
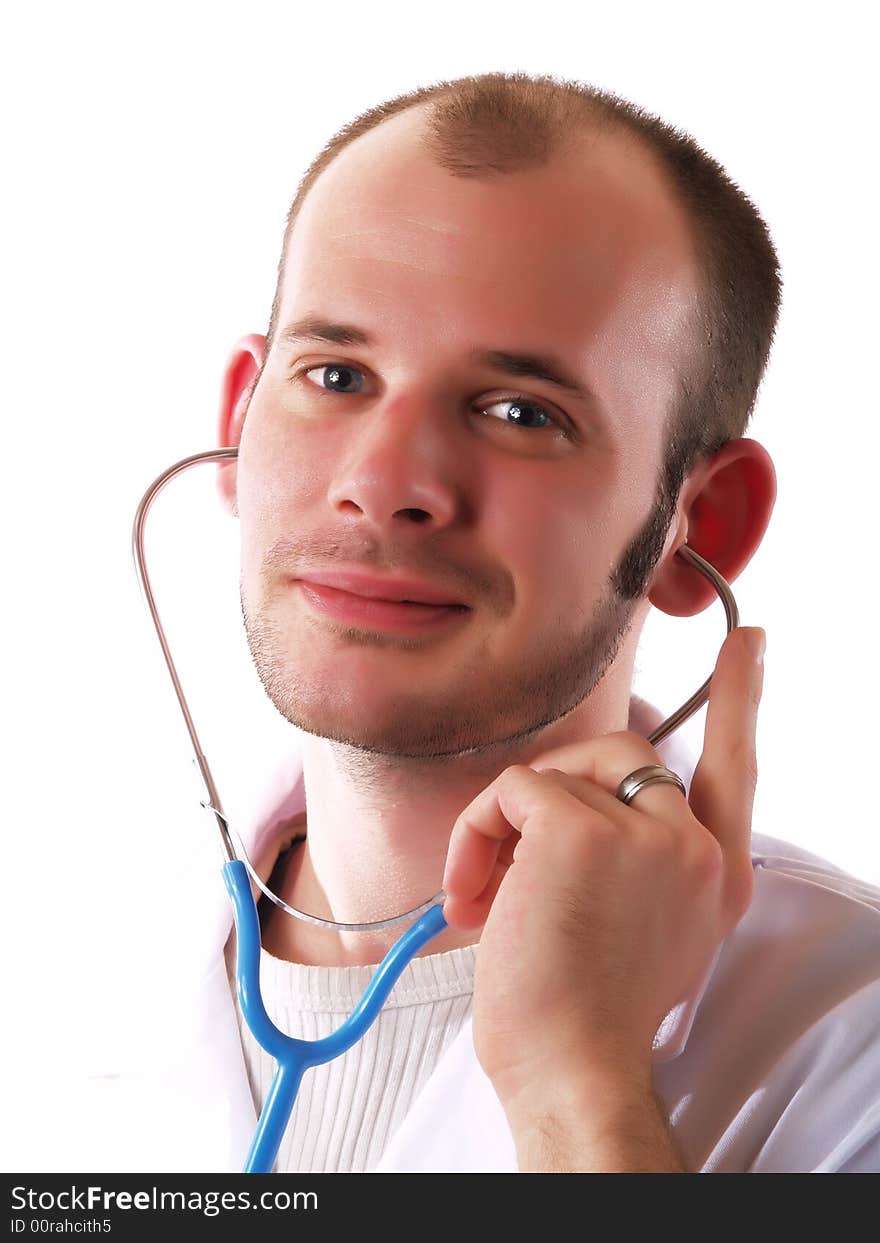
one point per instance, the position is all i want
(415, 455)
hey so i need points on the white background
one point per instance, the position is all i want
(150, 158)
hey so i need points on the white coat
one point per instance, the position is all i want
(773, 1065)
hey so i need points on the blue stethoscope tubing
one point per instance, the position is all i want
(296, 1056)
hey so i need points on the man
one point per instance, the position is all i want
(518, 331)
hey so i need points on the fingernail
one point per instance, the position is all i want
(758, 644)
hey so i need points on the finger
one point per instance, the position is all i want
(661, 800)
(474, 846)
(466, 914)
(470, 862)
(483, 839)
(503, 809)
(603, 762)
(722, 790)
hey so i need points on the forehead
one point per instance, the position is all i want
(591, 251)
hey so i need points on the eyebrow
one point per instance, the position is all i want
(532, 364)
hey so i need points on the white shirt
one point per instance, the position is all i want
(347, 1110)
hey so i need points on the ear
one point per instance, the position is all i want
(239, 381)
(724, 509)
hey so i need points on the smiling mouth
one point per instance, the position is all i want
(378, 614)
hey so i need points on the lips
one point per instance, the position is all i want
(389, 603)
(395, 589)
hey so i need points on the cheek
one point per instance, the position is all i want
(280, 468)
(280, 480)
(558, 545)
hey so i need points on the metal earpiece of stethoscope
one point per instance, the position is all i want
(295, 1056)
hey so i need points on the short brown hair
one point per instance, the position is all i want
(493, 123)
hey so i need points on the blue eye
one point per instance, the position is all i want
(522, 412)
(338, 375)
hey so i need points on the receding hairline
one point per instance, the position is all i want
(484, 166)
(592, 130)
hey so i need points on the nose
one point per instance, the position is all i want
(399, 466)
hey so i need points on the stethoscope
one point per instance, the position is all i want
(294, 1056)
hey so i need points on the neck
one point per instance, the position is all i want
(378, 832)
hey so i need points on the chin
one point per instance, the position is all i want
(370, 729)
(416, 728)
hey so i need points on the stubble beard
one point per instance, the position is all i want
(472, 706)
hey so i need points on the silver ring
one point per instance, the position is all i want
(633, 782)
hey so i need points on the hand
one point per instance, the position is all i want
(599, 917)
